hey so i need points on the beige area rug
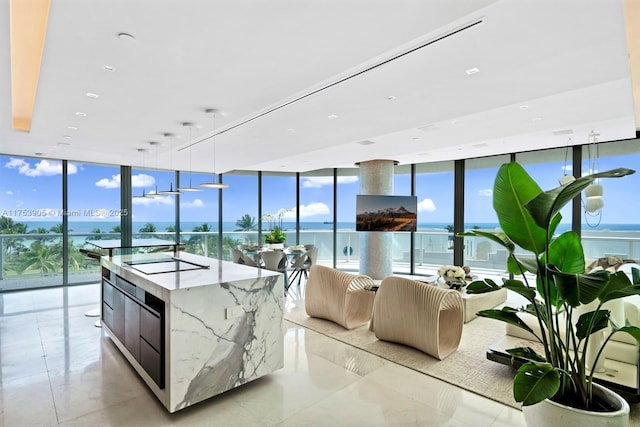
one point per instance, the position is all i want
(468, 367)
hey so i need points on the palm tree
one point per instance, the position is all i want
(246, 223)
(196, 242)
(39, 230)
(7, 226)
(39, 257)
(172, 229)
(115, 229)
(148, 228)
(57, 229)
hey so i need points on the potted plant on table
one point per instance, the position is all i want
(560, 377)
(275, 238)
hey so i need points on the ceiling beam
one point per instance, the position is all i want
(28, 27)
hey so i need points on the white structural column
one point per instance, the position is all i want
(376, 177)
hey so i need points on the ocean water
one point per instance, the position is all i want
(87, 227)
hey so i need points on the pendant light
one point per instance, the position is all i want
(593, 203)
(190, 188)
(144, 194)
(170, 136)
(156, 193)
(212, 112)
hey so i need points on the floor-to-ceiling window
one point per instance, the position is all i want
(240, 217)
(613, 230)
(30, 217)
(347, 244)
(153, 214)
(279, 203)
(479, 214)
(93, 197)
(31, 197)
(316, 211)
(401, 240)
(199, 217)
(434, 239)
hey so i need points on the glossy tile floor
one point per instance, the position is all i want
(58, 369)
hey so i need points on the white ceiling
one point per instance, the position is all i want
(278, 69)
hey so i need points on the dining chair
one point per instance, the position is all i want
(276, 261)
(247, 260)
(236, 255)
(298, 267)
(311, 259)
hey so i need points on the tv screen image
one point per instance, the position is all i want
(386, 213)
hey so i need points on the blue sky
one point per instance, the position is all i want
(36, 184)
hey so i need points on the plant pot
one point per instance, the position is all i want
(276, 245)
(550, 413)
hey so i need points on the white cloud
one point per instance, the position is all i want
(142, 180)
(487, 192)
(567, 168)
(314, 209)
(9, 193)
(426, 205)
(197, 203)
(42, 168)
(321, 181)
(306, 211)
(114, 182)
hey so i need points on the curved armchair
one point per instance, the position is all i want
(338, 296)
(419, 315)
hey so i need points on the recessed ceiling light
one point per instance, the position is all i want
(63, 144)
(332, 116)
(72, 128)
(126, 36)
(563, 132)
(391, 97)
(81, 114)
(536, 119)
(473, 70)
(108, 68)
(524, 107)
(292, 130)
(92, 95)
(66, 136)
(416, 138)
(38, 153)
(155, 143)
(366, 142)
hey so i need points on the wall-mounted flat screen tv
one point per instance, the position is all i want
(386, 213)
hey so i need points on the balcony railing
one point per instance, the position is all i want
(34, 260)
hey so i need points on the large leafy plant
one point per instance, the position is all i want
(528, 218)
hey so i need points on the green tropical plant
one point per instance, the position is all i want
(528, 218)
(40, 257)
(246, 223)
(148, 228)
(275, 234)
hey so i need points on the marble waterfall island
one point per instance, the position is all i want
(193, 327)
